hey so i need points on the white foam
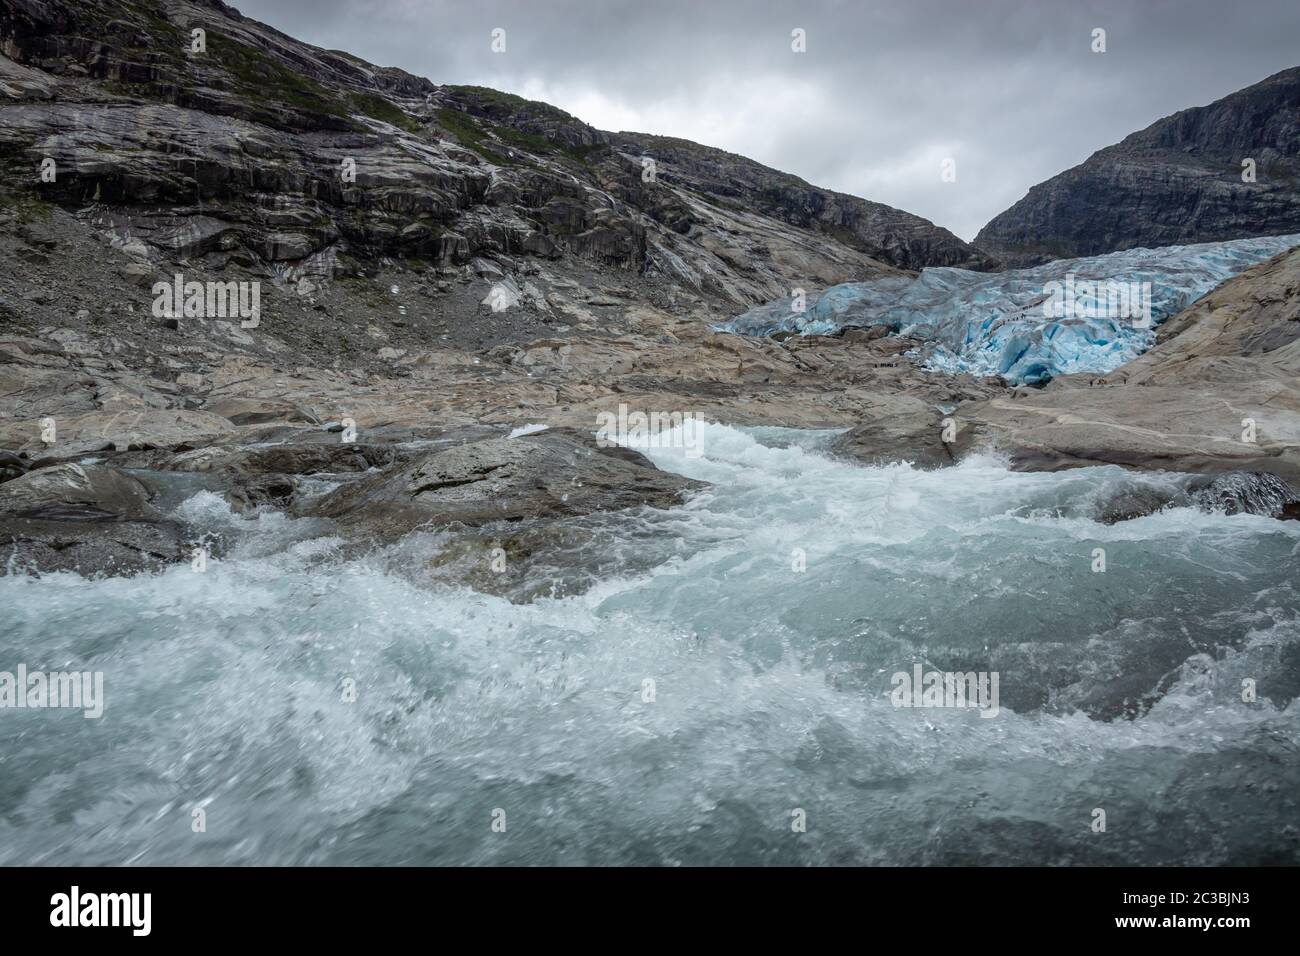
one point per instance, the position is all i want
(228, 685)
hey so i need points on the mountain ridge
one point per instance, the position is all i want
(1177, 181)
(112, 93)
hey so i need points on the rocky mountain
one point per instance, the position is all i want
(881, 231)
(240, 148)
(1180, 180)
(493, 263)
(437, 266)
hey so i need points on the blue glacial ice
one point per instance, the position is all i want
(1027, 325)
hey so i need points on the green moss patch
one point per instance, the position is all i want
(376, 107)
(264, 78)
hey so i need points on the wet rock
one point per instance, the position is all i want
(547, 557)
(1133, 501)
(1234, 493)
(72, 492)
(274, 491)
(12, 466)
(289, 459)
(554, 473)
(92, 519)
(1244, 493)
(902, 428)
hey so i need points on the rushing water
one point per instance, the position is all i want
(1120, 690)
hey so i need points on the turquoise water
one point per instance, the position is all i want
(1121, 691)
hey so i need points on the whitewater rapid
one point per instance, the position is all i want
(768, 612)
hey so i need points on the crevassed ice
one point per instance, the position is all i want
(995, 323)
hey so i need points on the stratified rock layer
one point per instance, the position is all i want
(263, 154)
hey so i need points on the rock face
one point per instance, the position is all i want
(1219, 392)
(555, 473)
(880, 231)
(260, 155)
(902, 428)
(87, 518)
(1177, 181)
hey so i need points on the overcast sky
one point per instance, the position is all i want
(1008, 89)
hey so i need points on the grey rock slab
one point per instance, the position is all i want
(554, 473)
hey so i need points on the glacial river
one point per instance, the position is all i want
(722, 697)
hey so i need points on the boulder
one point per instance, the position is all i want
(1233, 493)
(257, 411)
(902, 428)
(274, 491)
(92, 519)
(555, 473)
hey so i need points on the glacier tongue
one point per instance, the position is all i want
(1010, 323)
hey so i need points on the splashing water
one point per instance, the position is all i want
(1121, 690)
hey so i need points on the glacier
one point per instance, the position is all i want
(1010, 323)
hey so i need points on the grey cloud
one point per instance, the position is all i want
(1009, 89)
